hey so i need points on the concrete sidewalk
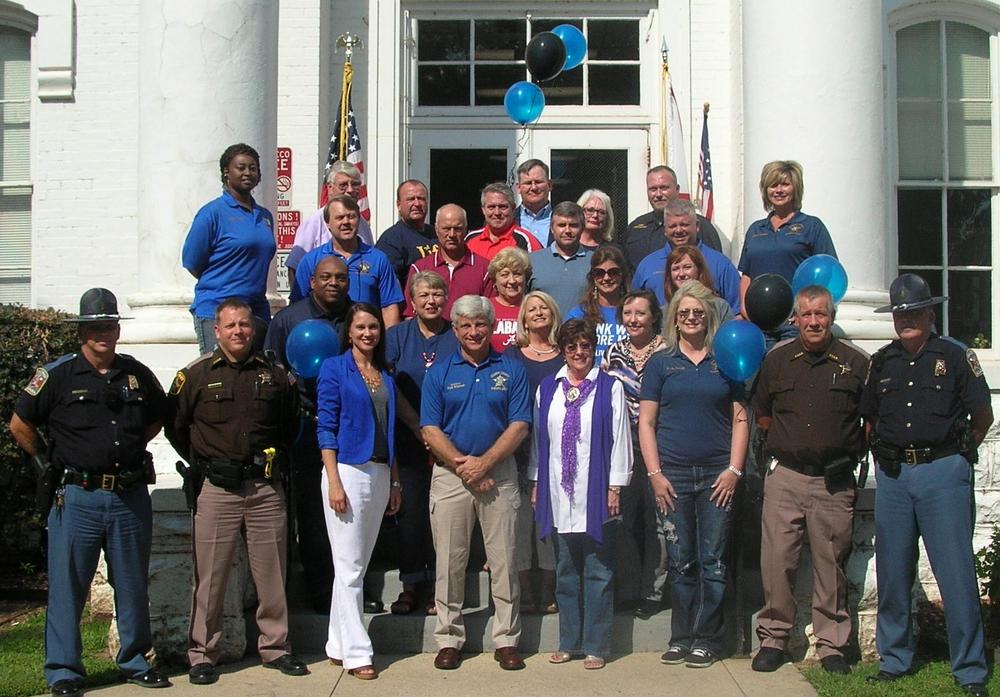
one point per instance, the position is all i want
(415, 676)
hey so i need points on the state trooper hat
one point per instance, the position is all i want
(910, 292)
(98, 305)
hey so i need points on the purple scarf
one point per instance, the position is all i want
(601, 440)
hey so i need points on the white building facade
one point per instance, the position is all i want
(115, 114)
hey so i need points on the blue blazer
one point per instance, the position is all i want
(344, 408)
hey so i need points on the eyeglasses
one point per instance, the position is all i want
(685, 313)
(612, 274)
(599, 212)
(583, 348)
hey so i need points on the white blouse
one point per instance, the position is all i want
(571, 516)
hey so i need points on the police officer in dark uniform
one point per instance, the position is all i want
(328, 301)
(928, 406)
(99, 409)
(230, 414)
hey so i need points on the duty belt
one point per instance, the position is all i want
(801, 468)
(106, 481)
(914, 456)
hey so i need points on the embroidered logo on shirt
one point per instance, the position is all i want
(364, 267)
(37, 382)
(795, 229)
(179, 381)
(454, 386)
(941, 369)
(499, 379)
(977, 369)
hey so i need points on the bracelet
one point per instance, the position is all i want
(736, 471)
(653, 474)
(396, 484)
(614, 489)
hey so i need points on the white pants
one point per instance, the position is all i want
(352, 539)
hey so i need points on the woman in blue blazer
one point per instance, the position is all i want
(356, 422)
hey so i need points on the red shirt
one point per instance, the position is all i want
(469, 277)
(505, 330)
(479, 242)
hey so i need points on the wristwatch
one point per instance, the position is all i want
(615, 489)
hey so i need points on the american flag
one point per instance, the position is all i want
(704, 195)
(345, 144)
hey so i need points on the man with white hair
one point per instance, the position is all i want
(343, 178)
(475, 411)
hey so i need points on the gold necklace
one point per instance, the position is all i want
(373, 383)
(544, 352)
(640, 357)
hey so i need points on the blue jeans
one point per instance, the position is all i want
(121, 524)
(585, 591)
(934, 501)
(697, 532)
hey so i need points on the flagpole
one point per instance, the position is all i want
(664, 102)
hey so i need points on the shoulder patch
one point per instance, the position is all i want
(178, 384)
(973, 360)
(37, 381)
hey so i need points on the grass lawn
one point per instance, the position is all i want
(932, 678)
(22, 655)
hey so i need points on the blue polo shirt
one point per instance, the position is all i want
(651, 273)
(564, 279)
(766, 250)
(474, 405)
(412, 354)
(695, 423)
(609, 330)
(536, 223)
(371, 276)
(229, 250)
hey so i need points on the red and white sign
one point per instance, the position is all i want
(283, 181)
(288, 223)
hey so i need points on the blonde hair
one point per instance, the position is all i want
(510, 258)
(778, 171)
(522, 333)
(609, 219)
(690, 289)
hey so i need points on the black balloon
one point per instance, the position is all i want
(545, 56)
(768, 301)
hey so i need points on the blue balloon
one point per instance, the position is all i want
(821, 270)
(524, 102)
(575, 43)
(309, 344)
(739, 349)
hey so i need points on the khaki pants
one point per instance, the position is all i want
(454, 510)
(216, 532)
(796, 505)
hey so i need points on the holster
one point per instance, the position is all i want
(839, 472)
(47, 478)
(193, 479)
(225, 474)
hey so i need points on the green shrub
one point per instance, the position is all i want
(28, 338)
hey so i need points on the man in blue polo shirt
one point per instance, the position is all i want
(476, 410)
(680, 228)
(371, 275)
(561, 269)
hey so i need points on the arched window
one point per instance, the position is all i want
(947, 168)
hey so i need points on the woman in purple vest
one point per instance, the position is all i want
(581, 457)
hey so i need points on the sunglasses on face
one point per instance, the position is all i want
(685, 313)
(612, 274)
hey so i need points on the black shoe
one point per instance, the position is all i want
(974, 689)
(884, 676)
(289, 665)
(150, 678)
(674, 656)
(71, 687)
(203, 674)
(373, 607)
(768, 659)
(835, 664)
(646, 609)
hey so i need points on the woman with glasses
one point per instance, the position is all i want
(607, 283)
(581, 458)
(693, 433)
(598, 219)
(411, 348)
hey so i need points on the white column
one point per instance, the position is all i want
(207, 79)
(812, 92)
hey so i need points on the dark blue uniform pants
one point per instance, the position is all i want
(122, 525)
(933, 501)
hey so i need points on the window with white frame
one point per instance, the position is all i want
(472, 62)
(15, 170)
(947, 186)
